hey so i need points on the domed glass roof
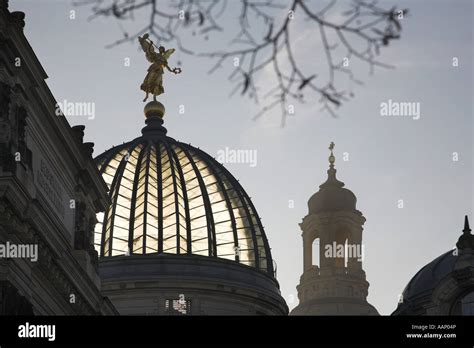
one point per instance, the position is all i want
(170, 197)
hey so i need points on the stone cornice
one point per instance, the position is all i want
(65, 282)
(315, 222)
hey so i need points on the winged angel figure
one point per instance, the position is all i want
(153, 82)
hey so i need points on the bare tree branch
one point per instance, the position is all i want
(361, 22)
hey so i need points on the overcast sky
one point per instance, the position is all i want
(390, 158)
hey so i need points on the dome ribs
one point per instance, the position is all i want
(220, 183)
(136, 181)
(159, 176)
(266, 245)
(185, 199)
(180, 200)
(114, 192)
(211, 229)
(145, 204)
(175, 193)
(238, 190)
(107, 156)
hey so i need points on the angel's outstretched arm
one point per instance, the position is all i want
(150, 48)
(143, 43)
(147, 47)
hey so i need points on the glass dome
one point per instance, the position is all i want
(170, 197)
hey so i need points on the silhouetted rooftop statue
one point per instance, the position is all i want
(153, 82)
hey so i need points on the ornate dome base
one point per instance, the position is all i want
(336, 291)
(166, 284)
(335, 306)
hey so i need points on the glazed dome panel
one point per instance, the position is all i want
(172, 198)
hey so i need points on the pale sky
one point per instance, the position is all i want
(390, 158)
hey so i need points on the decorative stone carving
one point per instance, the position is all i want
(5, 131)
(5, 96)
(88, 149)
(6, 157)
(78, 133)
(11, 302)
(18, 17)
(12, 131)
(84, 232)
(80, 227)
(4, 4)
(26, 154)
(46, 262)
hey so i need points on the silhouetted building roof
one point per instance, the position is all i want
(426, 279)
(444, 286)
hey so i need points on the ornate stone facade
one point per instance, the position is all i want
(50, 192)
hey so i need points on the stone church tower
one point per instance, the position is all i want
(336, 285)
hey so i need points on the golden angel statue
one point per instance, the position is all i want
(153, 82)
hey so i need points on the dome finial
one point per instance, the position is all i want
(154, 112)
(467, 239)
(467, 229)
(154, 108)
(331, 158)
(332, 181)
